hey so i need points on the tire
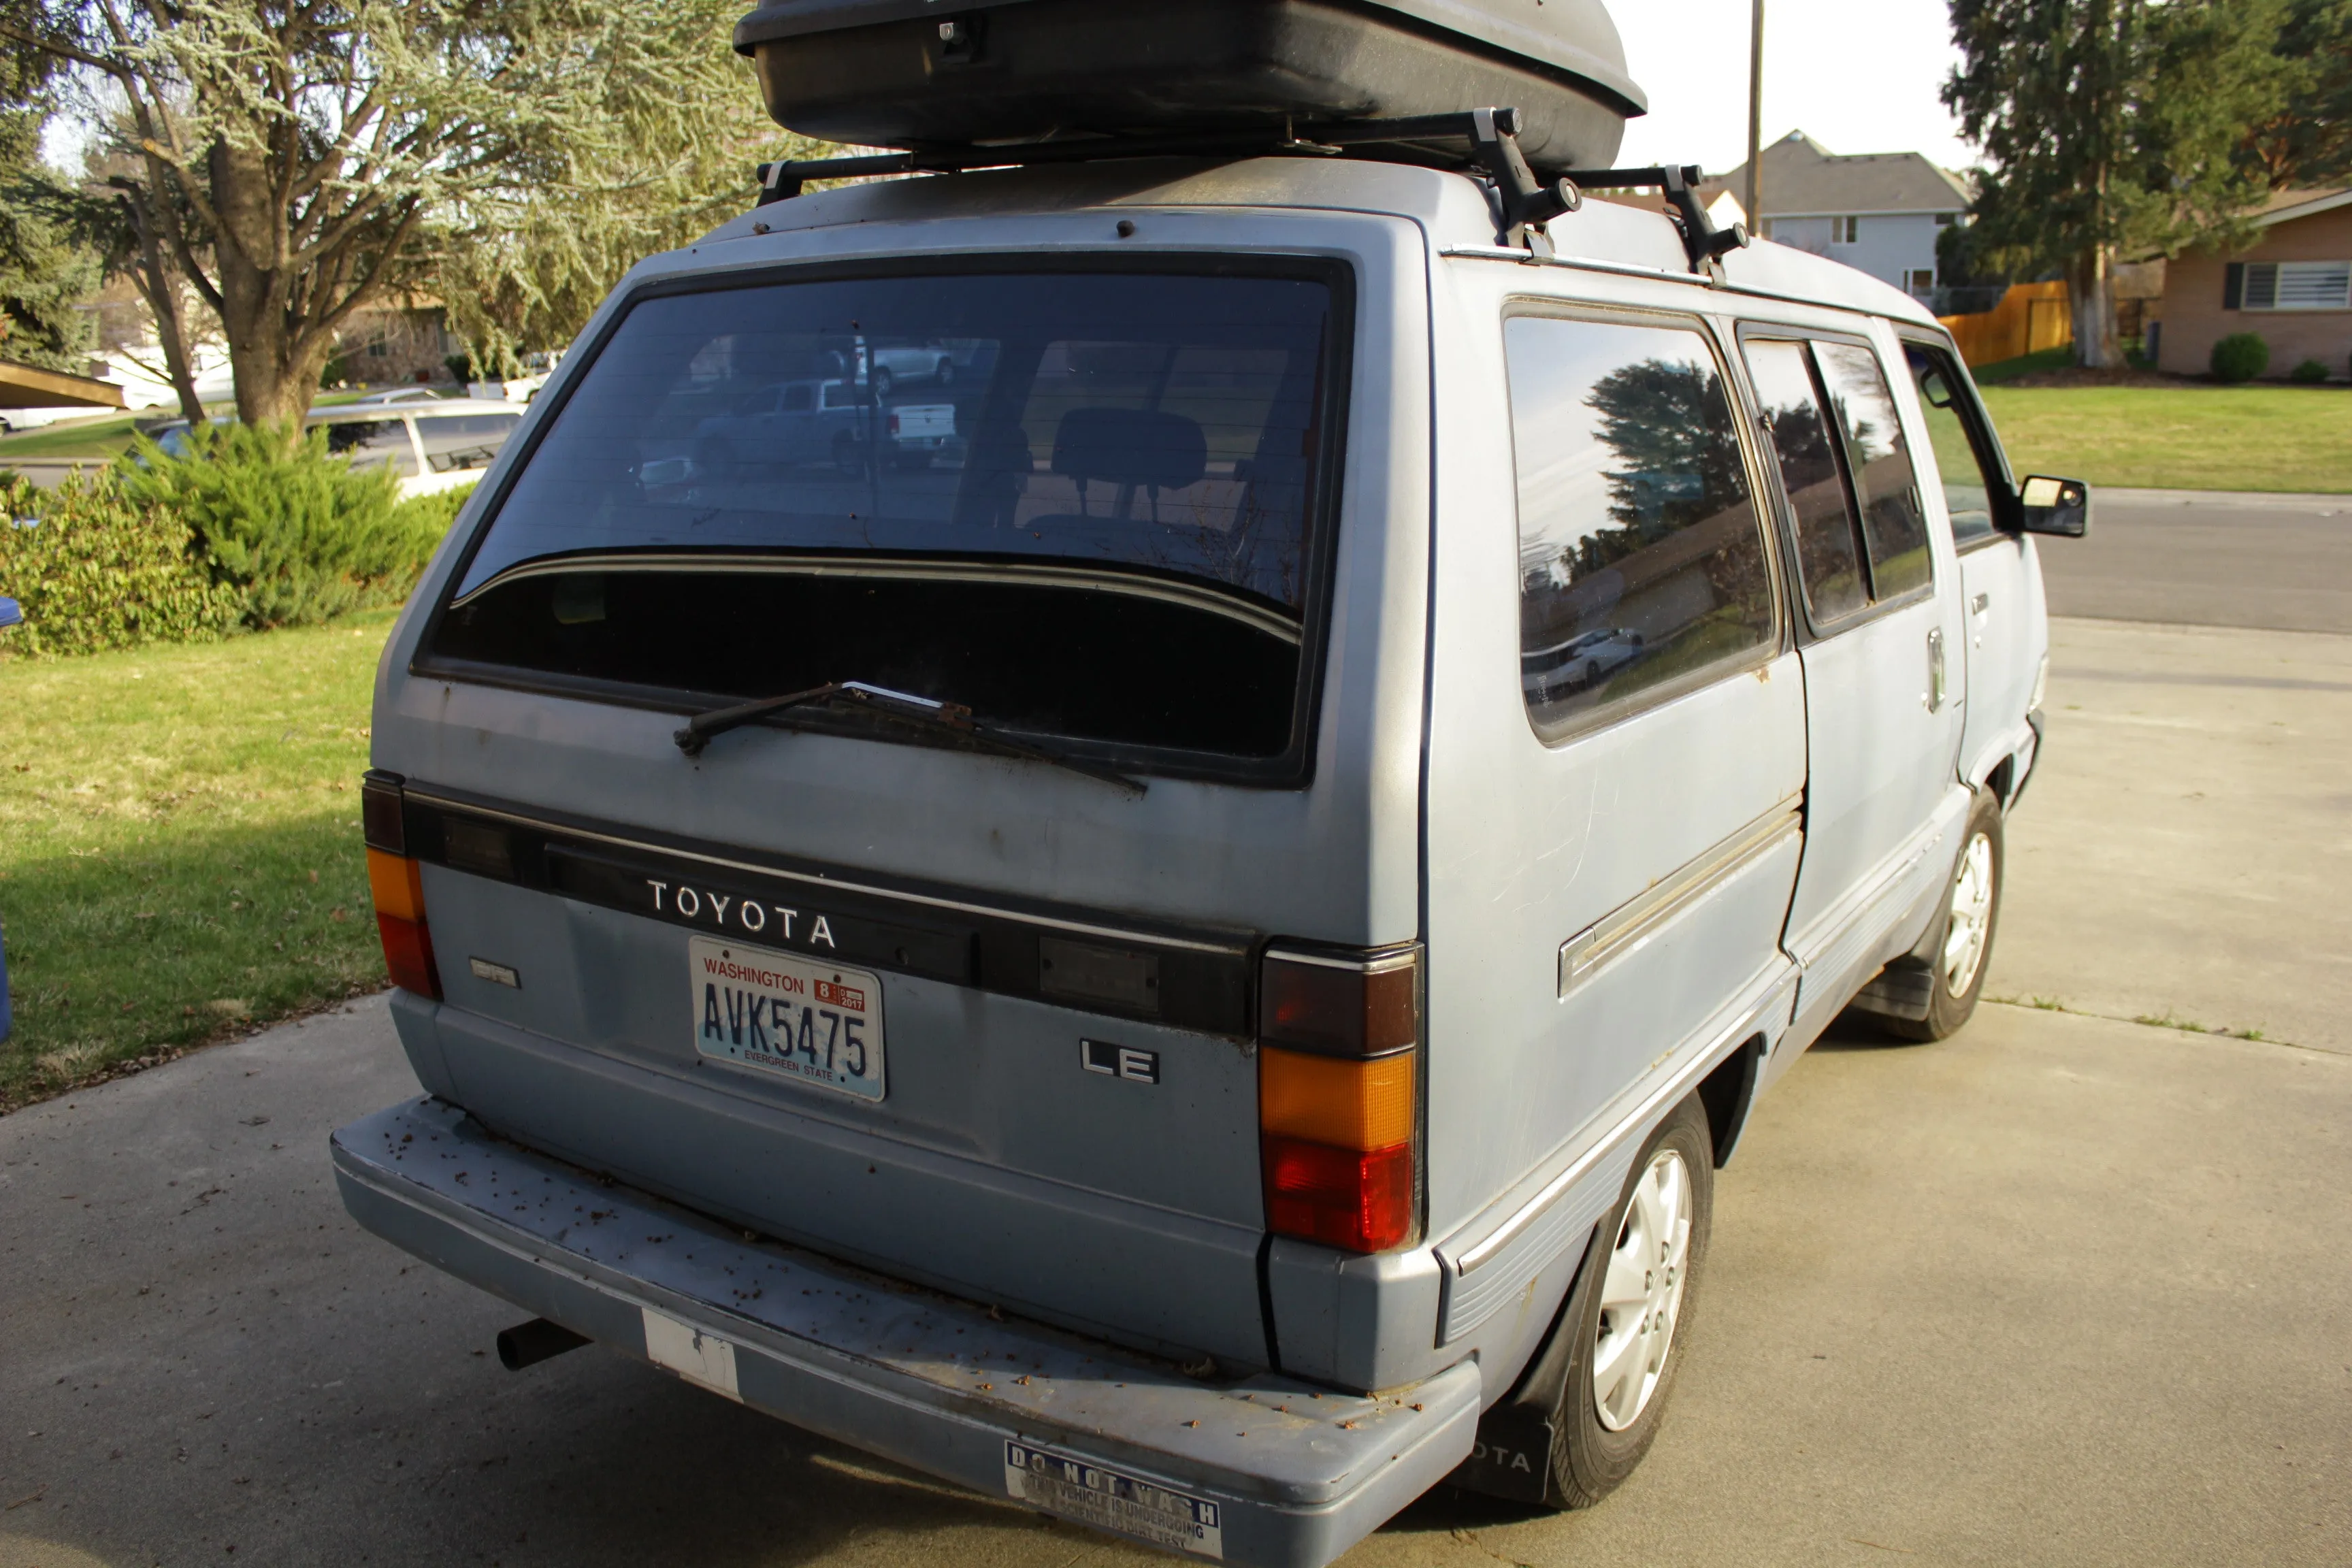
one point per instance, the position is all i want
(1962, 947)
(882, 381)
(945, 374)
(1643, 1265)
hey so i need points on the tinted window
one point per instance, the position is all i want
(1893, 527)
(1968, 481)
(374, 443)
(1640, 554)
(1829, 560)
(454, 442)
(1092, 522)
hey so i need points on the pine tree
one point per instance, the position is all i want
(2113, 126)
(44, 270)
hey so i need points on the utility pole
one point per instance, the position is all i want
(1756, 120)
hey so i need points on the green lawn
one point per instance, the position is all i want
(90, 438)
(2188, 437)
(180, 845)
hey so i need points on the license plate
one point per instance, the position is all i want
(1111, 1500)
(818, 1023)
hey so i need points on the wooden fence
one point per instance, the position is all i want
(2030, 317)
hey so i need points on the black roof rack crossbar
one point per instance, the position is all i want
(1489, 139)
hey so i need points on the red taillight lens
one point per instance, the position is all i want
(1361, 1200)
(408, 955)
(1339, 1107)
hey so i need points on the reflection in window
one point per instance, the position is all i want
(1166, 423)
(1893, 526)
(1828, 559)
(1640, 555)
(458, 442)
(374, 443)
(1968, 484)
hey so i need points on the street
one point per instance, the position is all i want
(2072, 1288)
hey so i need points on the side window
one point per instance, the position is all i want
(1640, 555)
(1829, 558)
(1893, 527)
(453, 442)
(1960, 441)
(800, 397)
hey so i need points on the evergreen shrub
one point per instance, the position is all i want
(95, 570)
(2241, 356)
(2310, 372)
(299, 534)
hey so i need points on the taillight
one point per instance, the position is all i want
(1339, 1097)
(397, 888)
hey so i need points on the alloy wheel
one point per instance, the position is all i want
(1971, 917)
(1641, 1293)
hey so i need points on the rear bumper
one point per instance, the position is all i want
(1259, 1471)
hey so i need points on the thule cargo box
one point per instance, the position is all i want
(916, 73)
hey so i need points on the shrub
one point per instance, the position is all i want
(429, 518)
(2310, 372)
(298, 532)
(2241, 356)
(95, 570)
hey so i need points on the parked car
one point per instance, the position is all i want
(394, 395)
(1091, 970)
(891, 365)
(916, 433)
(1577, 663)
(788, 424)
(432, 447)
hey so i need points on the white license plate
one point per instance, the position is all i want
(793, 1016)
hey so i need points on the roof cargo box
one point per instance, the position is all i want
(917, 73)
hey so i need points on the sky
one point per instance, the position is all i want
(1858, 76)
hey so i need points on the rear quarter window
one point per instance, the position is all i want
(1642, 557)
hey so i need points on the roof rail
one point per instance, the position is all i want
(1488, 138)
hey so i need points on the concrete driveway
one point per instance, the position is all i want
(2065, 1289)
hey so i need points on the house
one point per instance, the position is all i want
(2292, 288)
(1877, 212)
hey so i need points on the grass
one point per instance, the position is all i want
(97, 439)
(180, 850)
(2188, 437)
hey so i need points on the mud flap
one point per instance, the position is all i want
(1512, 1456)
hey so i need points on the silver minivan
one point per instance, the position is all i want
(1191, 961)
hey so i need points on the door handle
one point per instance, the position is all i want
(1934, 698)
(1981, 604)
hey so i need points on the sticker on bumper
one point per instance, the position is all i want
(1089, 1494)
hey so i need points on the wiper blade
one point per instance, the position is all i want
(904, 706)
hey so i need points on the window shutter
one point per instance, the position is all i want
(2233, 285)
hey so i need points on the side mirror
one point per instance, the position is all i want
(2062, 506)
(10, 612)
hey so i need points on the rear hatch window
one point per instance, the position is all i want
(1091, 506)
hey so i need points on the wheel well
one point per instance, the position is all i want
(1997, 780)
(1727, 1093)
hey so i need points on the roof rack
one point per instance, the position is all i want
(1488, 138)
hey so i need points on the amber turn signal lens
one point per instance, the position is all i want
(1348, 1104)
(395, 885)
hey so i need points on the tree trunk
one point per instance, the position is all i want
(2091, 298)
(159, 285)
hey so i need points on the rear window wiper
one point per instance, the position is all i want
(904, 706)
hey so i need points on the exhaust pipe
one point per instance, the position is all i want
(528, 1344)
